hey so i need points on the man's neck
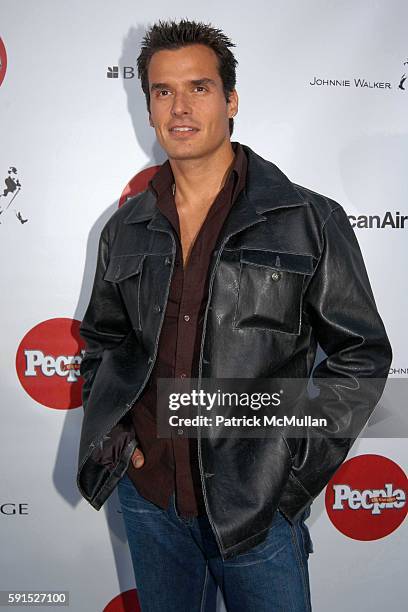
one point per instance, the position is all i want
(200, 180)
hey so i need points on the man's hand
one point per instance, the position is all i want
(138, 458)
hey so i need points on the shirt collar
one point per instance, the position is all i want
(163, 180)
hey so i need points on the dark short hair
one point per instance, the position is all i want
(172, 35)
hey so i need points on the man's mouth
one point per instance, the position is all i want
(183, 128)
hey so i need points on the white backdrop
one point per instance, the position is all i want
(71, 139)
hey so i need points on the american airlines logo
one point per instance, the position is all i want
(386, 220)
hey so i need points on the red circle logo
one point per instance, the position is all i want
(367, 497)
(138, 183)
(3, 61)
(47, 363)
(127, 601)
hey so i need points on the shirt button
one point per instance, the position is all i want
(180, 432)
(167, 261)
(276, 276)
(157, 308)
(186, 317)
(182, 375)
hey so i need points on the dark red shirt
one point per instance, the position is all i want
(172, 464)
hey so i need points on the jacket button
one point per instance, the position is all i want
(157, 308)
(276, 276)
(167, 261)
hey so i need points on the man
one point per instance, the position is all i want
(223, 268)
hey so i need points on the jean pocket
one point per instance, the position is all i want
(307, 540)
(278, 538)
(133, 501)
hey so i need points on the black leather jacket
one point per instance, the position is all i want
(324, 297)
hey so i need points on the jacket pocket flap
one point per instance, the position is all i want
(292, 262)
(123, 266)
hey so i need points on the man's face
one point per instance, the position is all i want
(186, 90)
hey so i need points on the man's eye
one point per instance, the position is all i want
(201, 87)
(161, 91)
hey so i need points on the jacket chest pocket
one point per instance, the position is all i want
(126, 272)
(270, 290)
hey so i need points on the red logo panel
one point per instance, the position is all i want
(138, 183)
(3, 61)
(127, 601)
(367, 497)
(48, 361)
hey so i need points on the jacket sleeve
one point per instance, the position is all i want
(104, 326)
(341, 309)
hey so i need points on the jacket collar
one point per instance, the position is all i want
(266, 188)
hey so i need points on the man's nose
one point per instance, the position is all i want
(181, 104)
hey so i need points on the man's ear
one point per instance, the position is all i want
(233, 103)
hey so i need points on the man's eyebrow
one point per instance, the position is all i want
(159, 86)
(196, 82)
(204, 81)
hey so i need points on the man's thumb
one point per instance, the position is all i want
(138, 458)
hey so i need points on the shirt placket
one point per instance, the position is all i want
(187, 322)
(184, 317)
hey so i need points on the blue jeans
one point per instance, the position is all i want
(177, 564)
